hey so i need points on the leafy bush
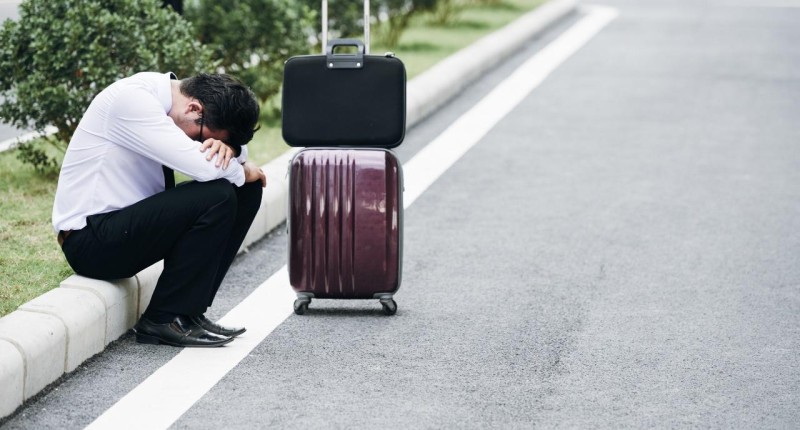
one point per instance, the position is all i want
(390, 18)
(446, 12)
(345, 18)
(395, 16)
(253, 38)
(60, 54)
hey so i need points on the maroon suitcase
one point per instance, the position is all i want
(345, 225)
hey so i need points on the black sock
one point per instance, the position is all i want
(158, 317)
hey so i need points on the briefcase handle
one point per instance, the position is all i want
(325, 27)
(344, 61)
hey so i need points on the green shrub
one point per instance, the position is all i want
(345, 19)
(253, 38)
(395, 16)
(446, 12)
(60, 54)
(36, 155)
(389, 18)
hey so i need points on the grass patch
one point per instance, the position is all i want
(31, 262)
(439, 41)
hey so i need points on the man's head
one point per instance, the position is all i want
(227, 105)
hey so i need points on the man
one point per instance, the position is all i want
(117, 211)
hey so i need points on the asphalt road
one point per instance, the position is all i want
(620, 251)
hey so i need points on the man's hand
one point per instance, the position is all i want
(223, 152)
(254, 173)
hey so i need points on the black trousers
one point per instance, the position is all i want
(196, 228)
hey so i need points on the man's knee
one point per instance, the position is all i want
(221, 189)
(249, 195)
(218, 195)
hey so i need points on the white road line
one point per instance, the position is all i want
(169, 392)
(433, 160)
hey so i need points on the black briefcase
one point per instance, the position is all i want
(344, 100)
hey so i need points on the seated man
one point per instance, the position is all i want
(117, 210)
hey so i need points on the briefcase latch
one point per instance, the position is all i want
(344, 61)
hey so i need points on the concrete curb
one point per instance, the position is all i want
(54, 333)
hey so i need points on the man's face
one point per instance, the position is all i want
(193, 124)
(204, 133)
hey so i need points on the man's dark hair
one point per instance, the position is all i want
(227, 105)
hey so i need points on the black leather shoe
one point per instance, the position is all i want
(180, 332)
(213, 327)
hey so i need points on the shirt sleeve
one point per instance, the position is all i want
(137, 121)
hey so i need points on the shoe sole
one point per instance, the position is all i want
(153, 340)
(236, 334)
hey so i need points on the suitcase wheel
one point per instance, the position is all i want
(389, 306)
(301, 305)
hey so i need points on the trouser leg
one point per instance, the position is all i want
(190, 227)
(248, 199)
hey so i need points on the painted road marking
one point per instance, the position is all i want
(433, 160)
(169, 392)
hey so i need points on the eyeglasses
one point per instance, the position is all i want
(202, 122)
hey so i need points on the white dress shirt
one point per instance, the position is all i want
(115, 156)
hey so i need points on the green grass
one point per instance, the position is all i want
(424, 44)
(31, 262)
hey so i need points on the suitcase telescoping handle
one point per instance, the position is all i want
(364, 48)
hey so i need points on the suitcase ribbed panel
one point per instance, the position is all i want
(345, 223)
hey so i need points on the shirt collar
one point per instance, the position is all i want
(165, 91)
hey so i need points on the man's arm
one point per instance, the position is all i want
(223, 152)
(138, 122)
